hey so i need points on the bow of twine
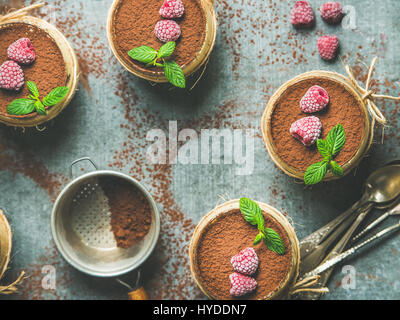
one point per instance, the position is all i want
(305, 285)
(21, 12)
(369, 96)
(12, 288)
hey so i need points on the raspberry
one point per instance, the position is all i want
(331, 12)
(241, 284)
(302, 15)
(245, 262)
(22, 51)
(307, 130)
(315, 99)
(11, 76)
(167, 30)
(172, 9)
(328, 47)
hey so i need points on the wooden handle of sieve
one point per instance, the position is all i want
(139, 294)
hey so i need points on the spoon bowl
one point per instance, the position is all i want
(383, 185)
(381, 188)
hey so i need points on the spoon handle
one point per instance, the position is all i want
(371, 225)
(335, 260)
(318, 254)
(308, 244)
(339, 247)
(393, 211)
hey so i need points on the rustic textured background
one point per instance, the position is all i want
(256, 51)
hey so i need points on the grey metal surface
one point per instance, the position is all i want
(256, 51)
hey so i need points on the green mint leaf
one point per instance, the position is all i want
(143, 54)
(20, 107)
(55, 96)
(323, 148)
(251, 212)
(316, 172)
(166, 50)
(336, 139)
(336, 169)
(273, 241)
(174, 74)
(33, 88)
(258, 238)
(40, 108)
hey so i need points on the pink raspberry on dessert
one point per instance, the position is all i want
(167, 30)
(328, 47)
(22, 51)
(331, 12)
(11, 76)
(245, 262)
(307, 130)
(241, 284)
(315, 99)
(302, 15)
(172, 9)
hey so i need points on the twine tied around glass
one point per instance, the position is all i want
(20, 12)
(369, 96)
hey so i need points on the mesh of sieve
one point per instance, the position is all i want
(81, 227)
(91, 216)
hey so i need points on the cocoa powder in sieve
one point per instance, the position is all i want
(134, 22)
(227, 236)
(344, 108)
(130, 211)
(48, 71)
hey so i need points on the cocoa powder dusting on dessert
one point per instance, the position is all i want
(130, 211)
(134, 22)
(344, 108)
(47, 72)
(224, 238)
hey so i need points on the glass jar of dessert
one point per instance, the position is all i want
(44, 66)
(5, 254)
(224, 253)
(303, 117)
(136, 23)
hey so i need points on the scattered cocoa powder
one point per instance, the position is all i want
(16, 157)
(225, 237)
(344, 108)
(133, 26)
(171, 254)
(130, 211)
(48, 71)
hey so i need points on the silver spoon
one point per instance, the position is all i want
(334, 261)
(308, 243)
(381, 188)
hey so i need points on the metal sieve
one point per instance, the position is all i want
(81, 228)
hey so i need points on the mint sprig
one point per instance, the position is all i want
(328, 149)
(25, 106)
(153, 58)
(252, 214)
